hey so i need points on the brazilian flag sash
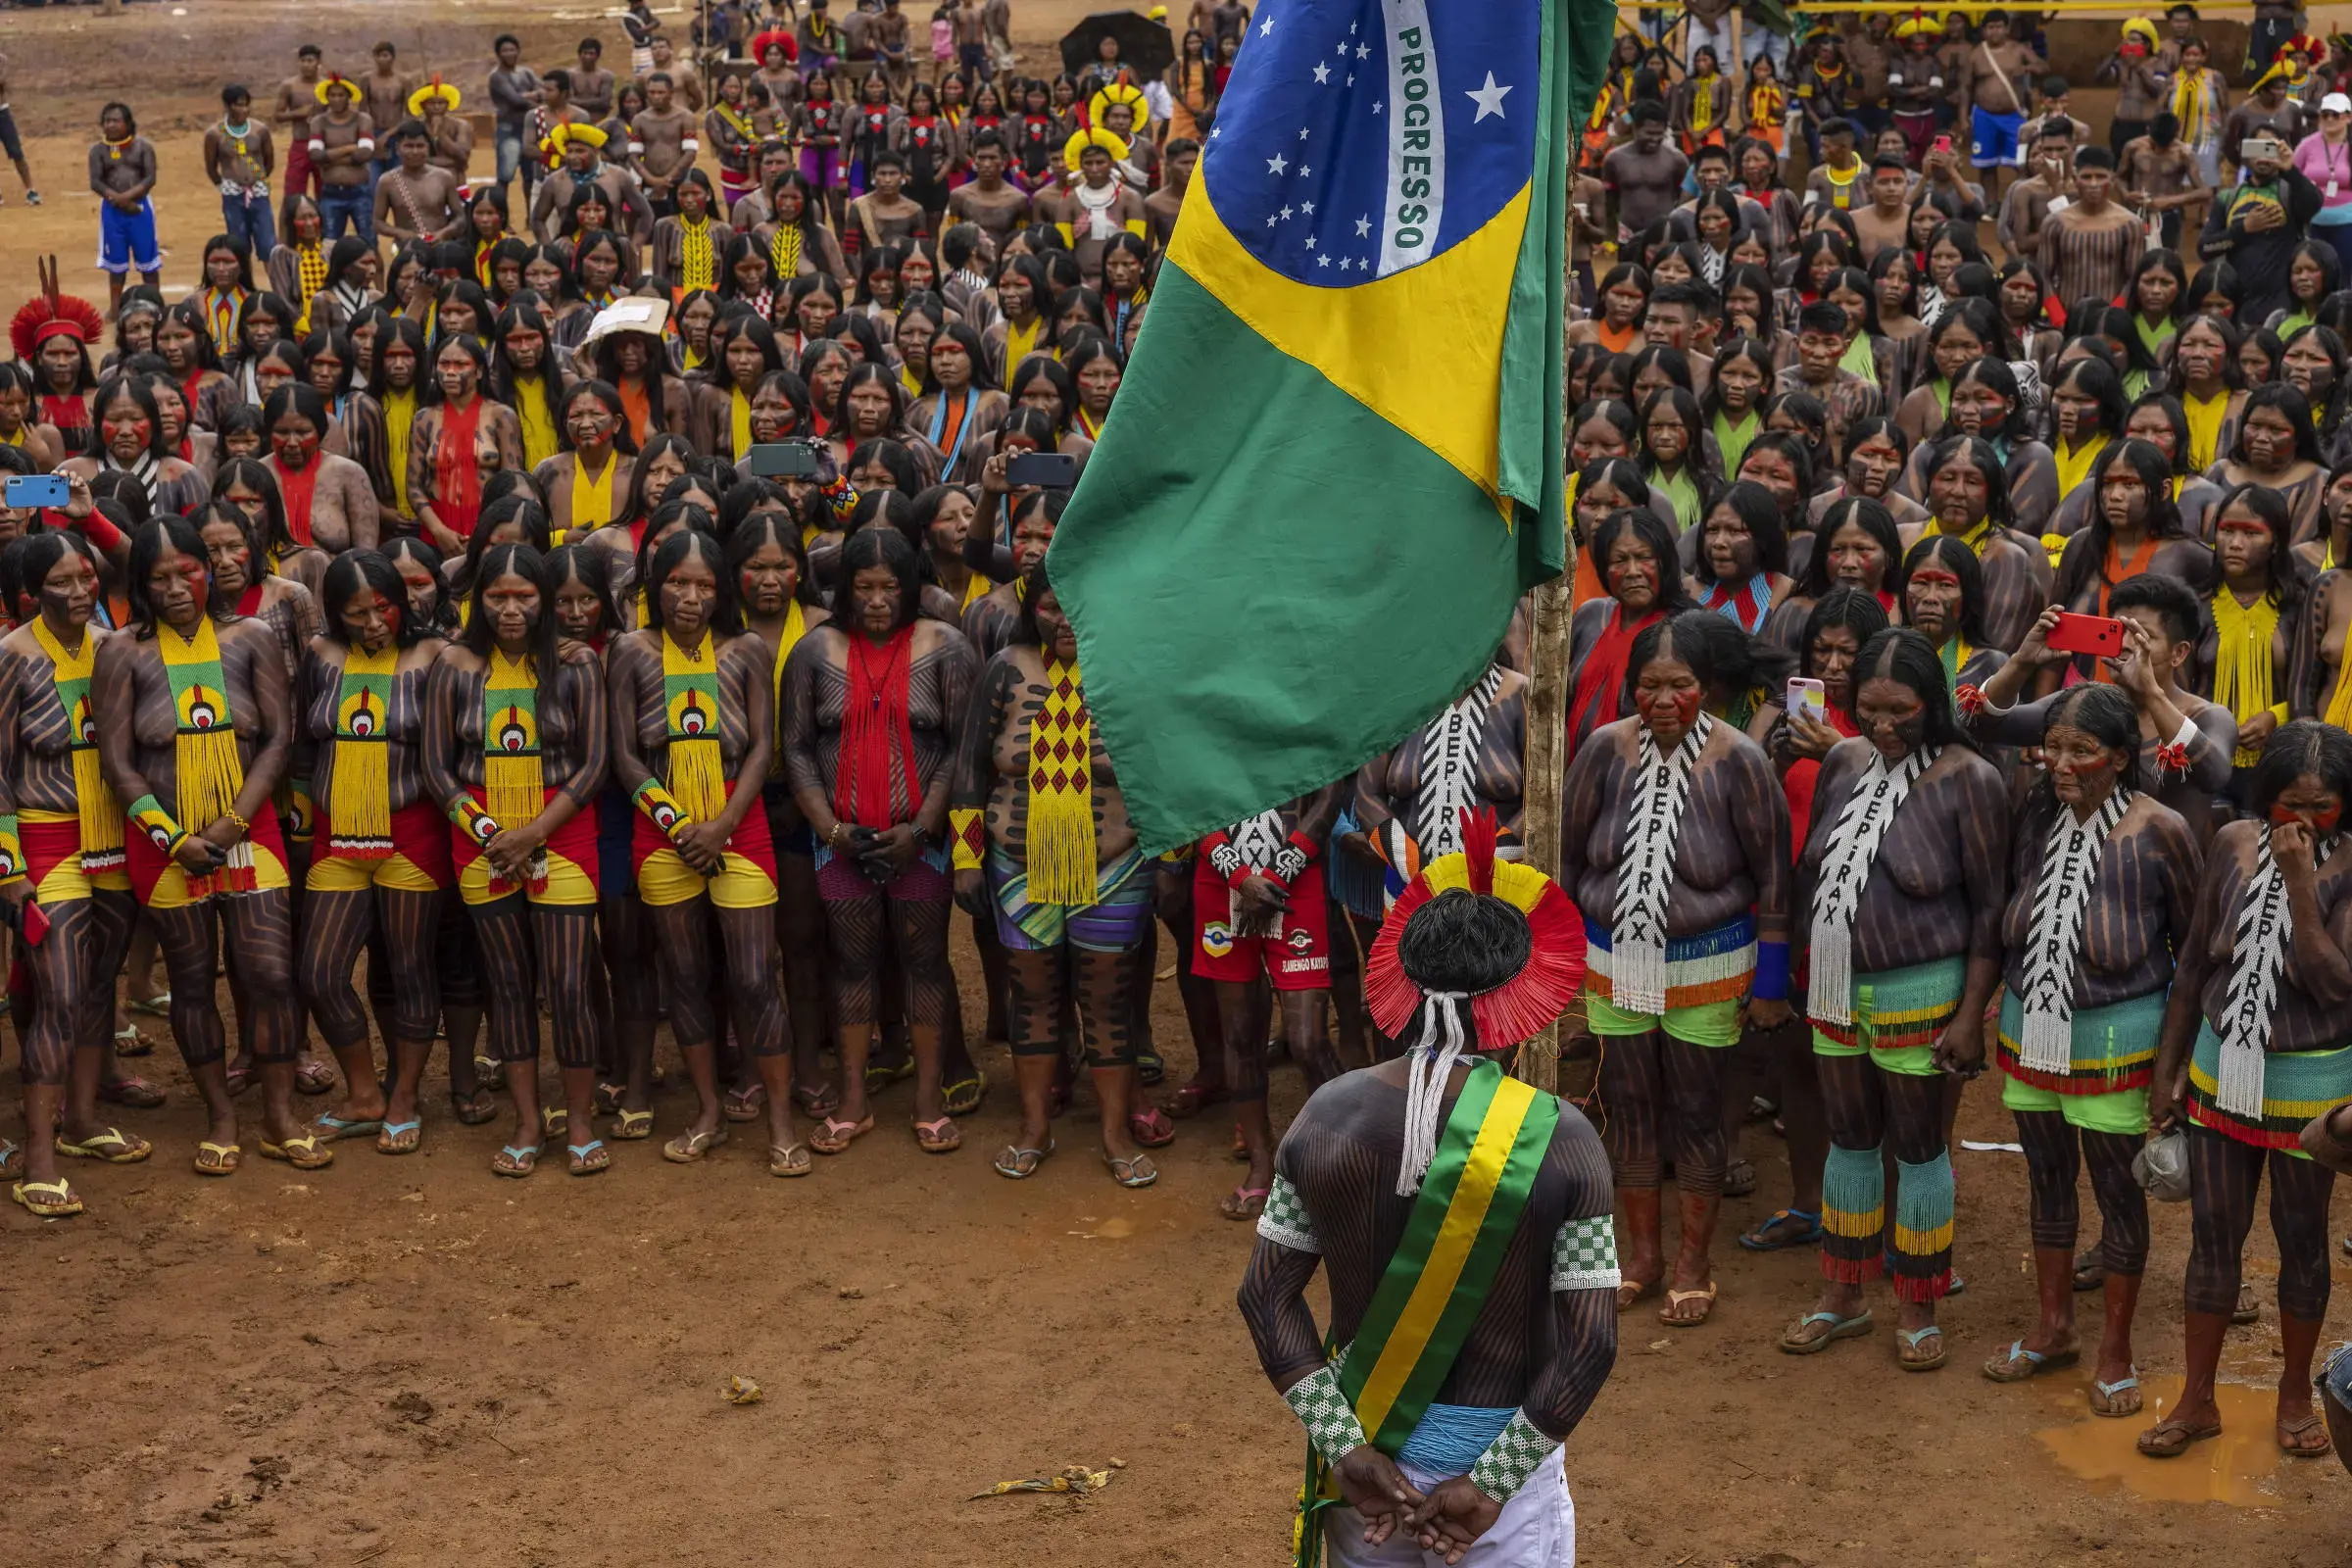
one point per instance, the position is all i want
(1437, 1280)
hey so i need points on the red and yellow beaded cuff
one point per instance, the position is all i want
(969, 836)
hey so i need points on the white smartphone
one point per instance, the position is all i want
(1809, 697)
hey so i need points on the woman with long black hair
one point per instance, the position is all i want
(1899, 891)
(1634, 555)
(61, 837)
(515, 757)
(383, 867)
(194, 727)
(872, 702)
(2254, 1042)
(2278, 446)
(693, 701)
(2102, 879)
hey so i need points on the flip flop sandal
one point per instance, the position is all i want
(2015, 1364)
(1910, 1338)
(1135, 1170)
(112, 1146)
(745, 1105)
(1191, 1099)
(134, 1092)
(1739, 1180)
(2171, 1437)
(1675, 1298)
(472, 1110)
(939, 1136)
(10, 1152)
(1018, 1164)
(1757, 1240)
(489, 1073)
(158, 1005)
(515, 1162)
(1149, 1070)
(129, 1041)
(2091, 1273)
(630, 1125)
(335, 1129)
(837, 1135)
(218, 1159)
(821, 1101)
(1244, 1202)
(46, 1200)
(606, 1098)
(2248, 1309)
(554, 1120)
(691, 1149)
(2291, 1433)
(305, 1152)
(879, 1077)
(1794, 1341)
(789, 1160)
(240, 1079)
(314, 1078)
(399, 1137)
(962, 1097)
(2118, 1399)
(1151, 1128)
(589, 1157)
(1643, 1291)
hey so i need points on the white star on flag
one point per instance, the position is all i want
(1265, 27)
(1307, 208)
(1306, 173)
(1363, 226)
(1322, 261)
(1310, 242)
(1277, 163)
(1364, 51)
(1489, 99)
(1286, 215)
(1322, 72)
(1302, 133)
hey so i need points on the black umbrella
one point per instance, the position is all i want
(1145, 47)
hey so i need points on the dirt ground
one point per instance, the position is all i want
(416, 1363)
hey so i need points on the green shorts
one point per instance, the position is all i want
(1710, 1023)
(1906, 1009)
(2123, 1111)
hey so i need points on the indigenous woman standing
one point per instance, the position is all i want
(1902, 882)
(2254, 1046)
(1043, 846)
(1643, 585)
(871, 702)
(194, 727)
(384, 865)
(2102, 880)
(693, 727)
(61, 855)
(458, 441)
(515, 754)
(1677, 825)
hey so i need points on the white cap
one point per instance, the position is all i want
(2336, 103)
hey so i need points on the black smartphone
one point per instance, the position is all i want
(1048, 471)
(784, 460)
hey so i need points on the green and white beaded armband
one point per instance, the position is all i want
(1583, 1255)
(1283, 1220)
(1329, 1420)
(1511, 1458)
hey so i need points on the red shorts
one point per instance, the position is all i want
(571, 867)
(161, 883)
(1300, 959)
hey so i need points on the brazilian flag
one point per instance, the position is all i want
(1335, 463)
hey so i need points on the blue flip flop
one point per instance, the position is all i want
(333, 1129)
(580, 1151)
(1811, 1235)
(1841, 1328)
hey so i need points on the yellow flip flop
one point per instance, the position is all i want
(306, 1153)
(112, 1146)
(46, 1200)
(226, 1158)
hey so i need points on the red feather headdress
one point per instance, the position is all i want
(1521, 1005)
(49, 314)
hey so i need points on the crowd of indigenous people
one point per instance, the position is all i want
(1958, 658)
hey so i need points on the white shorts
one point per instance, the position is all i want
(1537, 1529)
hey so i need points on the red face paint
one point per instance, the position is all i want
(2319, 822)
(1685, 707)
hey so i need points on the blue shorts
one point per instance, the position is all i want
(127, 240)
(1992, 140)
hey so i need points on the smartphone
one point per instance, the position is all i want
(1049, 470)
(2096, 635)
(784, 460)
(1941, 144)
(28, 921)
(1809, 697)
(38, 490)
